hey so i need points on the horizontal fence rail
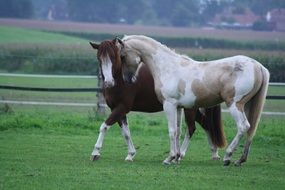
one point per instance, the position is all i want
(42, 89)
(98, 90)
(49, 76)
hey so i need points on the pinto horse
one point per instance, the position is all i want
(123, 97)
(239, 81)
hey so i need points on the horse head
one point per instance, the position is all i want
(110, 63)
(131, 61)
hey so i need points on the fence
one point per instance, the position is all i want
(100, 104)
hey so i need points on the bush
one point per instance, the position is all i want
(48, 59)
(186, 42)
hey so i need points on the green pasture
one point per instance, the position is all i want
(80, 97)
(49, 148)
(19, 35)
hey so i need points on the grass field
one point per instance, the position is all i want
(19, 35)
(44, 148)
(237, 35)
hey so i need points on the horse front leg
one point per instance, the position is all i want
(115, 116)
(95, 155)
(127, 134)
(171, 113)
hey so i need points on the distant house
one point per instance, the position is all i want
(235, 18)
(277, 18)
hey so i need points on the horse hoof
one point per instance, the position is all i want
(129, 158)
(166, 162)
(237, 163)
(180, 157)
(227, 162)
(94, 157)
(216, 158)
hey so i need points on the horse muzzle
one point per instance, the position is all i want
(109, 84)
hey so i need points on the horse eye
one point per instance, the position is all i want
(123, 57)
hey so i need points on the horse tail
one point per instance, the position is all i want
(213, 124)
(256, 104)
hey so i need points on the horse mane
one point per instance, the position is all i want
(148, 40)
(155, 42)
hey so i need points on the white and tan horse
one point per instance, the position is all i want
(180, 82)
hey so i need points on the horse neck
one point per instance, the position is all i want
(161, 59)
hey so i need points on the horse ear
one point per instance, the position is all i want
(94, 45)
(119, 43)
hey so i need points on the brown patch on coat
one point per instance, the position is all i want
(238, 67)
(204, 96)
(184, 63)
(217, 85)
(181, 86)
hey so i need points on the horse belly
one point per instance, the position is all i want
(187, 100)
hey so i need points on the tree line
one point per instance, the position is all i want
(147, 12)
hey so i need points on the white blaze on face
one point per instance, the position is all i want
(107, 71)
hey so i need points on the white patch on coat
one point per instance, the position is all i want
(245, 80)
(173, 72)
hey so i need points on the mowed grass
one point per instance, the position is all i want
(49, 83)
(42, 149)
(20, 35)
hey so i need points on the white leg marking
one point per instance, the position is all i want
(213, 148)
(185, 144)
(126, 133)
(179, 118)
(99, 143)
(242, 126)
(171, 114)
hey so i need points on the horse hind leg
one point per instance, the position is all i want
(213, 147)
(127, 135)
(206, 120)
(190, 129)
(237, 111)
(250, 133)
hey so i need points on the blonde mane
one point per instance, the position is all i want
(150, 41)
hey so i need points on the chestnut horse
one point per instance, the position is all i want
(181, 82)
(123, 97)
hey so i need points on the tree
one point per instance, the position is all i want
(186, 13)
(16, 8)
(106, 11)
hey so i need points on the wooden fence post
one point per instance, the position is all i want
(101, 104)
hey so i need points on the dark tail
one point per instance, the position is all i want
(212, 122)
